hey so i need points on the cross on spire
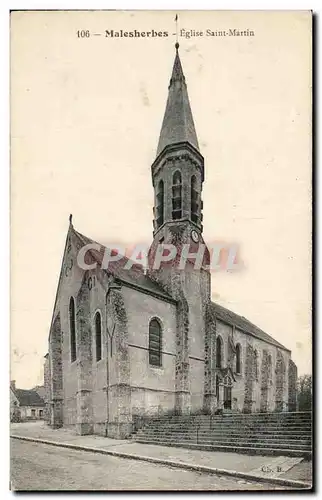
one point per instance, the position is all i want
(176, 21)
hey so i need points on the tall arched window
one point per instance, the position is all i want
(194, 199)
(160, 204)
(219, 352)
(238, 358)
(98, 336)
(72, 329)
(176, 195)
(155, 343)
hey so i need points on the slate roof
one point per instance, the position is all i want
(178, 125)
(28, 397)
(244, 324)
(134, 276)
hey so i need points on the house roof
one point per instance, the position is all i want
(28, 397)
(244, 324)
(134, 276)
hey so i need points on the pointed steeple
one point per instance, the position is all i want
(178, 125)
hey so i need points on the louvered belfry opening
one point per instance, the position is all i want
(176, 196)
(160, 204)
(194, 200)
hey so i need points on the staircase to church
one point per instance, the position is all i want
(258, 433)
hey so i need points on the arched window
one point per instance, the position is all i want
(238, 358)
(176, 195)
(160, 204)
(98, 336)
(72, 329)
(194, 200)
(155, 343)
(219, 352)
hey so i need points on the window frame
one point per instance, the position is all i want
(154, 352)
(98, 345)
(72, 330)
(220, 340)
(238, 366)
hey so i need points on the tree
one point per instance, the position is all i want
(305, 393)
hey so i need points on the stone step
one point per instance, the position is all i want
(288, 434)
(257, 437)
(250, 429)
(250, 450)
(228, 422)
(295, 430)
(221, 424)
(244, 443)
(233, 416)
(232, 432)
(212, 436)
(231, 442)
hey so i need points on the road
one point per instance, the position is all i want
(36, 466)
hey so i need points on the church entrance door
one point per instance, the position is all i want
(227, 392)
(227, 398)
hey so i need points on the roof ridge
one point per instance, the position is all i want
(256, 329)
(28, 397)
(109, 248)
(135, 276)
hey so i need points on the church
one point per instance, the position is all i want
(127, 342)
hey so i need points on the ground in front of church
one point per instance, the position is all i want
(56, 468)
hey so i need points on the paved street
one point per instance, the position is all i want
(36, 466)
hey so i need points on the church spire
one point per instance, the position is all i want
(178, 125)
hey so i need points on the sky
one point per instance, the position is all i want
(86, 114)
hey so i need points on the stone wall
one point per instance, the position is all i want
(70, 282)
(119, 396)
(47, 385)
(56, 371)
(292, 386)
(266, 380)
(249, 379)
(100, 376)
(210, 399)
(279, 382)
(152, 388)
(84, 361)
(252, 393)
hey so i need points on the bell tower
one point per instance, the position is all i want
(178, 170)
(178, 176)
